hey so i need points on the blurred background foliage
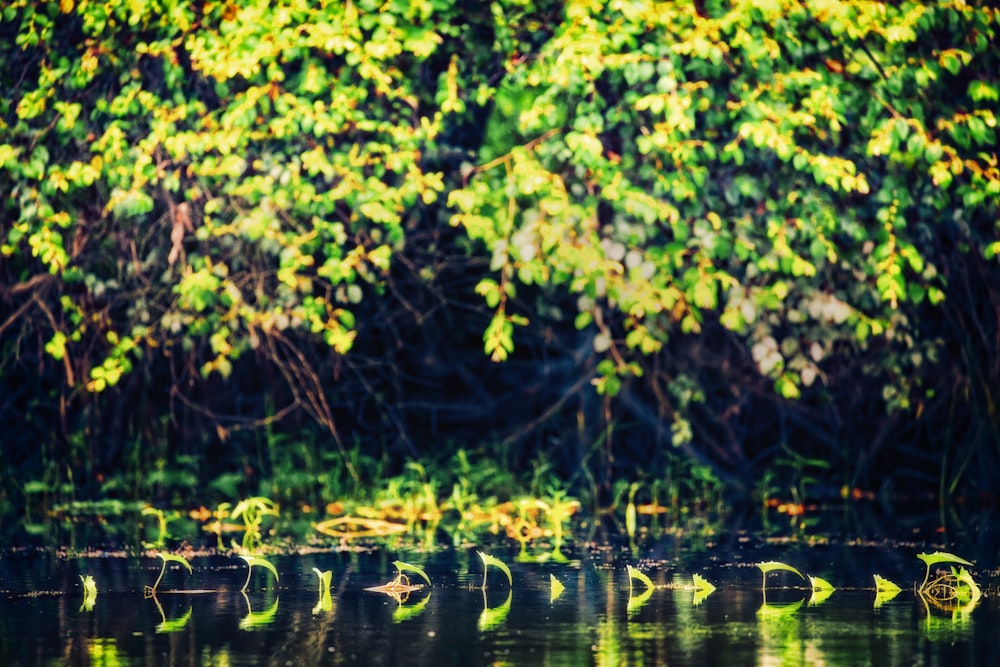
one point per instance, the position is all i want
(245, 242)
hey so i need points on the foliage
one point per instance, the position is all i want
(493, 561)
(150, 591)
(700, 208)
(253, 561)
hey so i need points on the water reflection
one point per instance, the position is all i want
(597, 619)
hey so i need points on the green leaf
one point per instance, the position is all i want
(936, 558)
(702, 584)
(634, 574)
(495, 562)
(174, 558)
(883, 585)
(820, 584)
(775, 566)
(406, 567)
(253, 561)
(556, 588)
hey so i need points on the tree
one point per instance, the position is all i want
(735, 204)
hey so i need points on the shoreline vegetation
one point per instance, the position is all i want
(666, 255)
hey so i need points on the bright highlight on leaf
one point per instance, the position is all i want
(406, 567)
(255, 561)
(775, 566)
(820, 584)
(557, 588)
(638, 576)
(496, 562)
(149, 591)
(702, 584)
(939, 557)
(883, 585)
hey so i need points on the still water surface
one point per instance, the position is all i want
(203, 619)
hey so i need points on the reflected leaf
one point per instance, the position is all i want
(405, 612)
(881, 597)
(556, 589)
(819, 596)
(174, 625)
(254, 619)
(491, 619)
(635, 602)
(778, 611)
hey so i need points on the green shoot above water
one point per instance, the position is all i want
(406, 567)
(775, 566)
(936, 558)
(150, 591)
(255, 560)
(496, 562)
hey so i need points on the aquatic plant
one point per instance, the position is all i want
(161, 522)
(883, 585)
(402, 567)
(89, 592)
(636, 601)
(556, 588)
(951, 590)
(150, 591)
(702, 589)
(253, 510)
(325, 602)
(489, 560)
(638, 575)
(775, 566)
(255, 560)
(821, 590)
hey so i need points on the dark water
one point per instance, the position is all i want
(595, 621)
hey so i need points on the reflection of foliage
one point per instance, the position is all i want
(494, 617)
(255, 619)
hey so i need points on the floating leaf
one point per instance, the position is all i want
(256, 560)
(496, 562)
(406, 567)
(557, 588)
